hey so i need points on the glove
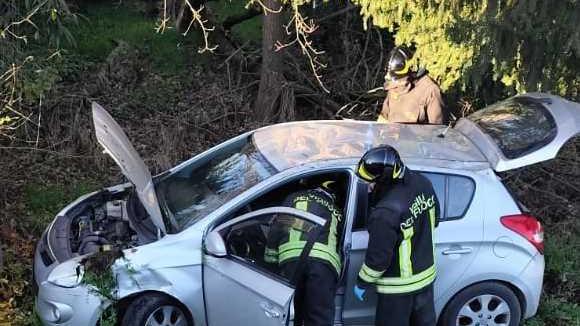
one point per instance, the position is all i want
(359, 293)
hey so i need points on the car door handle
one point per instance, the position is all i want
(269, 310)
(458, 251)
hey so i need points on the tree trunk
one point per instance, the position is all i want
(271, 75)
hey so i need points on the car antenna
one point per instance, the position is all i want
(451, 121)
(444, 132)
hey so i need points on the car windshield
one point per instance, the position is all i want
(517, 125)
(198, 188)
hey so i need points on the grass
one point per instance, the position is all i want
(43, 202)
(106, 23)
(249, 30)
(559, 302)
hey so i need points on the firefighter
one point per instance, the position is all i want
(317, 283)
(413, 97)
(399, 262)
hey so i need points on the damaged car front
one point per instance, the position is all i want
(123, 218)
(105, 250)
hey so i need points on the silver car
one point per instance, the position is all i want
(193, 238)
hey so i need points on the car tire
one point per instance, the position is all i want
(489, 303)
(155, 309)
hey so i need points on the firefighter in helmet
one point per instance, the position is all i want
(317, 282)
(399, 262)
(412, 96)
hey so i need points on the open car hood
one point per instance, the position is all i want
(117, 145)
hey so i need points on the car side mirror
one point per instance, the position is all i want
(215, 245)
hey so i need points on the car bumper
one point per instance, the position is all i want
(531, 281)
(68, 306)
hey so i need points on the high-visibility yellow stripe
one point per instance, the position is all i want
(271, 255)
(382, 119)
(403, 70)
(395, 289)
(368, 274)
(432, 218)
(397, 169)
(407, 281)
(318, 251)
(405, 249)
(362, 172)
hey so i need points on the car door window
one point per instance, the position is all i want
(460, 191)
(439, 182)
(259, 242)
(454, 193)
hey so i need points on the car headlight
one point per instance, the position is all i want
(68, 274)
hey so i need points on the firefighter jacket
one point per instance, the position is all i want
(287, 237)
(400, 255)
(416, 100)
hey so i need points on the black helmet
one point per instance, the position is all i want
(381, 163)
(398, 65)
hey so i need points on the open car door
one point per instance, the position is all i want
(522, 130)
(243, 282)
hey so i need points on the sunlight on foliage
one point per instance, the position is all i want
(527, 45)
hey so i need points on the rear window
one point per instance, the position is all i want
(454, 192)
(459, 191)
(519, 125)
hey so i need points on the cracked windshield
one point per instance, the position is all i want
(202, 186)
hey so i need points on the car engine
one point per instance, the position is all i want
(100, 227)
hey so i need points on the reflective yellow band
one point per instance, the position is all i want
(364, 174)
(404, 70)
(271, 255)
(294, 249)
(397, 169)
(432, 217)
(394, 289)
(382, 119)
(397, 281)
(405, 249)
(368, 274)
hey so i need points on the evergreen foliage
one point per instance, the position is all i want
(528, 45)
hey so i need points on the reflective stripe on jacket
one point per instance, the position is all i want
(286, 240)
(400, 254)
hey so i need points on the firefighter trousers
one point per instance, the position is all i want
(416, 309)
(314, 296)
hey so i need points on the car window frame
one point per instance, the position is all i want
(527, 102)
(245, 262)
(446, 191)
(348, 213)
(466, 209)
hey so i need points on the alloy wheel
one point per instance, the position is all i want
(166, 316)
(484, 310)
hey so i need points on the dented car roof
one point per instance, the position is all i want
(292, 144)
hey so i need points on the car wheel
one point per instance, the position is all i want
(484, 304)
(155, 310)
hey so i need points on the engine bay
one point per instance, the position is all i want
(102, 226)
(106, 220)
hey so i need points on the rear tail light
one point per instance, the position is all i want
(528, 227)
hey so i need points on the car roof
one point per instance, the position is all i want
(292, 144)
